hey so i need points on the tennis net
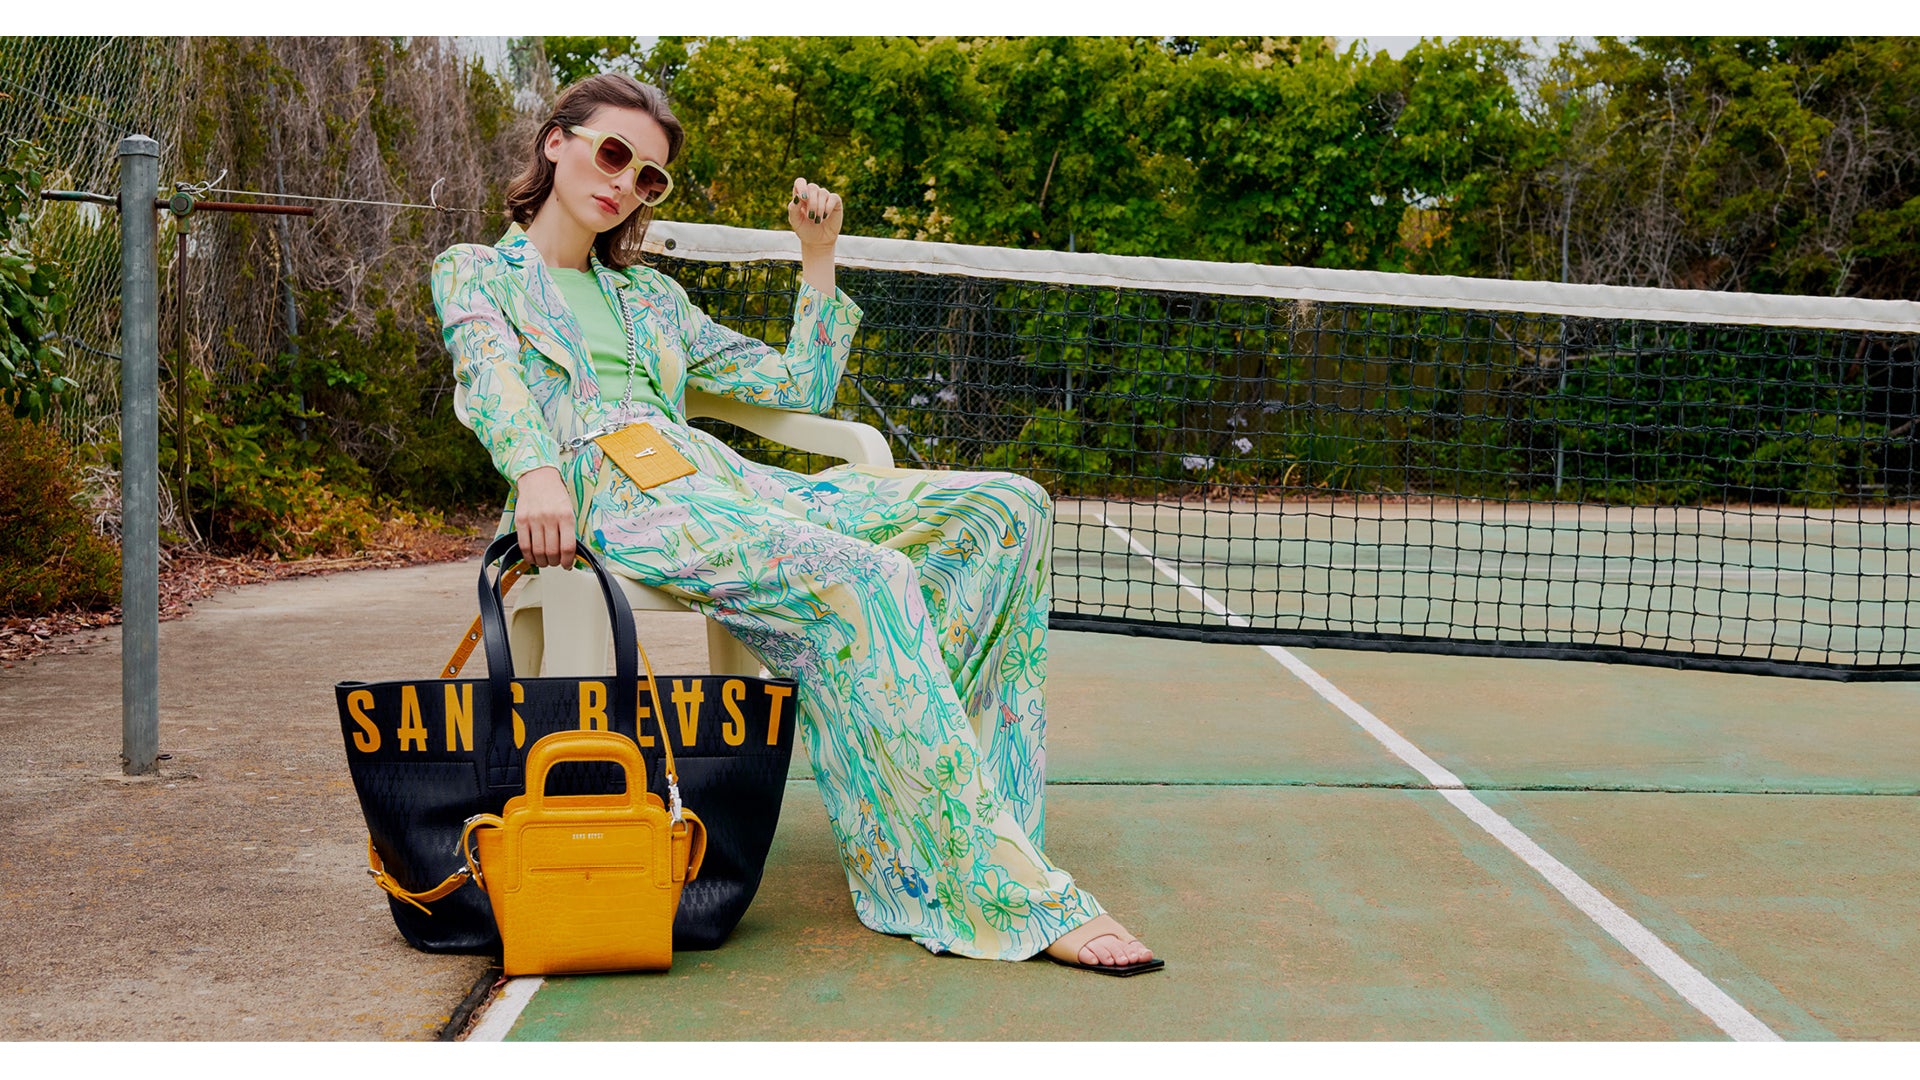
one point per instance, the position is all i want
(1255, 454)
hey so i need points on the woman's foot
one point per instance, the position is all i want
(1101, 942)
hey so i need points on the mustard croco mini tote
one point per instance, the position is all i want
(583, 883)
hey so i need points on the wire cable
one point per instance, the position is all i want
(433, 195)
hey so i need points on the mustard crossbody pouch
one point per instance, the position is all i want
(642, 453)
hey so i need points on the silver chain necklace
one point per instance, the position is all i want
(633, 349)
(624, 409)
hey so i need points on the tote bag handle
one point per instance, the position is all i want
(505, 551)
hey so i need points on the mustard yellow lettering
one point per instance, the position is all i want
(643, 712)
(593, 706)
(459, 716)
(519, 725)
(687, 699)
(367, 739)
(412, 728)
(734, 731)
(779, 694)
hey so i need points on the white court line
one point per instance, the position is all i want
(505, 1009)
(1699, 991)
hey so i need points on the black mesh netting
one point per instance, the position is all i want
(1244, 469)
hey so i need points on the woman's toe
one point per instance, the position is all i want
(1107, 948)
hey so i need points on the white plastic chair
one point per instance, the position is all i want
(559, 616)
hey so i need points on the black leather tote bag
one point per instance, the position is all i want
(427, 754)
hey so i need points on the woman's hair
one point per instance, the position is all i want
(618, 247)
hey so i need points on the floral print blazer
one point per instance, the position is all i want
(525, 382)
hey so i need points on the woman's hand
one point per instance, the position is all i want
(543, 518)
(814, 213)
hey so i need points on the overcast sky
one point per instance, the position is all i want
(1392, 46)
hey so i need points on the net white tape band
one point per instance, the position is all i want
(724, 243)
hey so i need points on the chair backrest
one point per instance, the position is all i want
(861, 444)
(847, 440)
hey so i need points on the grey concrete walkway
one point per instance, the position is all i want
(227, 899)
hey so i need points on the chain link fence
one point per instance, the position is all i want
(76, 98)
(365, 130)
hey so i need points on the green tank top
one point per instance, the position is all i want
(607, 340)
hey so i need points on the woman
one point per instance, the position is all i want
(910, 605)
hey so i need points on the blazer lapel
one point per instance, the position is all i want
(542, 316)
(649, 320)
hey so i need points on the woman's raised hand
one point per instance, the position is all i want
(814, 213)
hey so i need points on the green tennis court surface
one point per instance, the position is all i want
(1750, 842)
(1786, 584)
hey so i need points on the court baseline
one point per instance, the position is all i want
(505, 1009)
(1698, 990)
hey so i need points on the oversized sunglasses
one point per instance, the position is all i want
(613, 155)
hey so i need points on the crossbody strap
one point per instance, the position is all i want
(491, 821)
(464, 651)
(395, 889)
(666, 738)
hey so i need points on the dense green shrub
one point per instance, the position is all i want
(1051, 451)
(1818, 466)
(379, 395)
(50, 557)
(255, 486)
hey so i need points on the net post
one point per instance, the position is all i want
(1559, 414)
(139, 457)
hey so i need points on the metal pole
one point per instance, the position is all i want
(286, 258)
(139, 457)
(1560, 396)
(182, 445)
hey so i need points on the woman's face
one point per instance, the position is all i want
(596, 200)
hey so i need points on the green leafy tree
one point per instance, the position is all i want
(1459, 133)
(32, 291)
(1759, 164)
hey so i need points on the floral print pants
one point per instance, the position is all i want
(911, 608)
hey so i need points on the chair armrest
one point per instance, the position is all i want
(861, 444)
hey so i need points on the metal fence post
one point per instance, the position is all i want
(139, 456)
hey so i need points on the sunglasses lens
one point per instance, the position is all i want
(613, 156)
(652, 179)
